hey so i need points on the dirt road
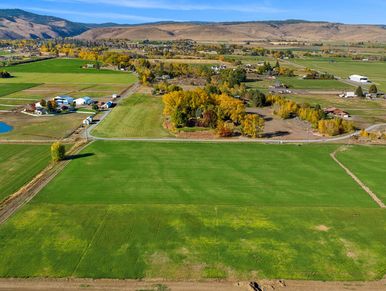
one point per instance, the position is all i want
(11, 204)
(132, 285)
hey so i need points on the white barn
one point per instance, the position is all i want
(359, 79)
(83, 101)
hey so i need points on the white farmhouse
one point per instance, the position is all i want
(359, 79)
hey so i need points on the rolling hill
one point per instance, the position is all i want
(20, 24)
(276, 30)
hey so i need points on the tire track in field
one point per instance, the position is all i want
(83, 255)
(357, 180)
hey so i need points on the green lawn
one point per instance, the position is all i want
(19, 164)
(368, 163)
(138, 116)
(344, 68)
(9, 88)
(183, 211)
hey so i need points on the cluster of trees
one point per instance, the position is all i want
(314, 75)
(276, 70)
(372, 135)
(164, 87)
(335, 126)
(5, 75)
(315, 115)
(220, 111)
(278, 54)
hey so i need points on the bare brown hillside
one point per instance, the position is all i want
(303, 31)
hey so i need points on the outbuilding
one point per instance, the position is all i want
(64, 100)
(107, 105)
(359, 79)
(84, 101)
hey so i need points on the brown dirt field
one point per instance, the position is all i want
(102, 284)
(277, 128)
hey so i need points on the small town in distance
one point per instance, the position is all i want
(139, 151)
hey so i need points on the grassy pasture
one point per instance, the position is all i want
(368, 163)
(6, 89)
(138, 116)
(55, 66)
(345, 67)
(198, 211)
(191, 173)
(70, 78)
(40, 128)
(298, 83)
(19, 164)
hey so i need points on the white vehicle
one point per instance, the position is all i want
(359, 79)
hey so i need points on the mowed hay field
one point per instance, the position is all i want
(138, 116)
(19, 164)
(183, 211)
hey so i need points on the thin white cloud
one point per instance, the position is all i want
(178, 5)
(104, 15)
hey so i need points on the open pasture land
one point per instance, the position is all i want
(19, 164)
(70, 78)
(138, 116)
(299, 83)
(27, 127)
(59, 71)
(6, 89)
(183, 211)
(343, 68)
(55, 66)
(368, 164)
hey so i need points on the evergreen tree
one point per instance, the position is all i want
(359, 92)
(373, 89)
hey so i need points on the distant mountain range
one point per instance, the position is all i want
(20, 24)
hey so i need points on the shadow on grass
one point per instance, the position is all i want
(79, 156)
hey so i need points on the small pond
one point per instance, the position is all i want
(5, 127)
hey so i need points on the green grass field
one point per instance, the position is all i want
(299, 83)
(61, 71)
(368, 163)
(19, 164)
(6, 89)
(345, 67)
(138, 116)
(59, 66)
(183, 211)
(70, 78)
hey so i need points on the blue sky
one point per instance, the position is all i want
(140, 11)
